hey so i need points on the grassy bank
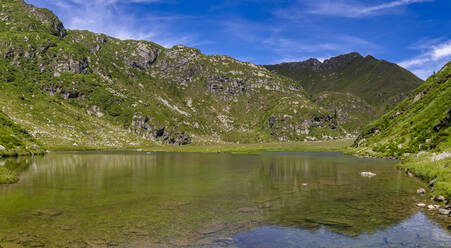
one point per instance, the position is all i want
(313, 146)
(428, 170)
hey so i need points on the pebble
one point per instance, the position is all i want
(421, 205)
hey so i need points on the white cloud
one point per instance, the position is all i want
(353, 9)
(429, 60)
(109, 17)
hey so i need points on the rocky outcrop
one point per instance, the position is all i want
(143, 126)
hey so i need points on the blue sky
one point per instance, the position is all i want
(416, 34)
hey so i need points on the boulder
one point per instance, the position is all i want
(444, 211)
(2, 148)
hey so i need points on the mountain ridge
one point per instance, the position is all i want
(76, 89)
(365, 77)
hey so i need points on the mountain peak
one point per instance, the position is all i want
(340, 60)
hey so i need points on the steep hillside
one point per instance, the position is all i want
(421, 122)
(15, 140)
(377, 82)
(418, 130)
(71, 88)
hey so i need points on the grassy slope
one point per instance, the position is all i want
(14, 141)
(416, 129)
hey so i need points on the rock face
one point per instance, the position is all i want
(145, 127)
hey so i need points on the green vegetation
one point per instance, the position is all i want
(419, 123)
(432, 170)
(15, 140)
(418, 130)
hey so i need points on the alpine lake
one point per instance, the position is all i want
(164, 199)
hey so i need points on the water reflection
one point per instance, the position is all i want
(410, 233)
(177, 199)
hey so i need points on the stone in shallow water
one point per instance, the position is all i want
(421, 191)
(212, 228)
(367, 174)
(421, 205)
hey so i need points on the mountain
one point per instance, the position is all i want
(421, 122)
(377, 84)
(77, 89)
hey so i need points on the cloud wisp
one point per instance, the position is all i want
(429, 60)
(111, 17)
(345, 8)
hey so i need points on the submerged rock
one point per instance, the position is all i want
(47, 212)
(212, 228)
(421, 205)
(246, 210)
(367, 174)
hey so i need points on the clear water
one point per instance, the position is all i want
(277, 199)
